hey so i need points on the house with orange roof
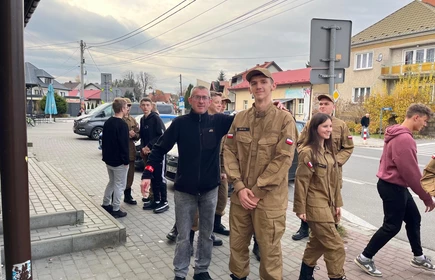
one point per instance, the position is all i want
(402, 43)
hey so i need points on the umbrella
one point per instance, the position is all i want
(50, 103)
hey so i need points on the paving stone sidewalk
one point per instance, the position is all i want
(148, 254)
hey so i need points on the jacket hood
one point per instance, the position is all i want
(394, 131)
(152, 115)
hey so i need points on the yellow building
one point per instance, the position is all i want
(402, 43)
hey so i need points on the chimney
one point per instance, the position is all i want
(430, 2)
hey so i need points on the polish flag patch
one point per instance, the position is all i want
(349, 137)
(433, 156)
(309, 164)
(230, 136)
(288, 141)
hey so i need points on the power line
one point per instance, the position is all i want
(66, 72)
(238, 58)
(127, 36)
(50, 45)
(69, 57)
(93, 60)
(146, 41)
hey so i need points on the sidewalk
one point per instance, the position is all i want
(370, 142)
(147, 254)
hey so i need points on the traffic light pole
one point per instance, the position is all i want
(13, 143)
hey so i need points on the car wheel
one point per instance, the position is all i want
(95, 133)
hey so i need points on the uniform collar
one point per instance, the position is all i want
(197, 116)
(262, 114)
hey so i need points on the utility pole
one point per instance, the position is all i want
(82, 72)
(183, 110)
(13, 143)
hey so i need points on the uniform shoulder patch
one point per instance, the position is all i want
(230, 136)
(349, 137)
(288, 141)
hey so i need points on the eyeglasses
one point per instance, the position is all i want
(201, 97)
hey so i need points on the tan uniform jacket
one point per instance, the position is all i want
(316, 192)
(428, 179)
(132, 125)
(342, 140)
(258, 153)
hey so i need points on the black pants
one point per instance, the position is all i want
(399, 206)
(158, 183)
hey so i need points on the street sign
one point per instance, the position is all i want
(181, 105)
(387, 108)
(320, 76)
(335, 95)
(181, 99)
(320, 42)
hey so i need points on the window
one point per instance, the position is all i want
(301, 106)
(419, 56)
(360, 94)
(36, 92)
(245, 104)
(430, 55)
(364, 61)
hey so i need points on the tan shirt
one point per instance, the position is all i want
(428, 179)
(132, 125)
(258, 153)
(316, 192)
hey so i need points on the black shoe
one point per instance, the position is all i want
(150, 206)
(145, 199)
(118, 214)
(179, 278)
(202, 276)
(301, 234)
(128, 198)
(306, 272)
(161, 207)
(233, 277)
(256, 251)
(221, 229)
(108, 208)
(216, 241)
(172, 235)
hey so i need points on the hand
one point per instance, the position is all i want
(223, 176)
(146, 150)
(279, 105)
(338, 213)
(131, 133)
(430, 207)
(245, 196)
(303, 217)
(145, 187)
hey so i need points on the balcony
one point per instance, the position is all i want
(395, 71)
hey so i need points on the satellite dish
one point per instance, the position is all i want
(379, 58)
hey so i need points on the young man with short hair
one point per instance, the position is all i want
(258, 153)
(151, 128)
(398, 170)
(116, 156)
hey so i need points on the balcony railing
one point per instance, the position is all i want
(402, 69)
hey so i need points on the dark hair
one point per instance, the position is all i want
(418, 109)
(313, 139)
(146, 99)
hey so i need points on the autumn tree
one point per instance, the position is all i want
(186, 97)
(407, 90)
(145, 80)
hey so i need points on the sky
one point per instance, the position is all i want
(194, 38)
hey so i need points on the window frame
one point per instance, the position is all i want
(359, 59)
(365, 95)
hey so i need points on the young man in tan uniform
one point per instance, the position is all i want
(258, 153)
(133, 134)
(342, 144)
(428, 179)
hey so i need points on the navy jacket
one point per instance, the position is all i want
(151, 128)
(198, 138)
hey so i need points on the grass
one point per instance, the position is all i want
(341, 230)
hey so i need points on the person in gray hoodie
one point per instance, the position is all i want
(398, 171)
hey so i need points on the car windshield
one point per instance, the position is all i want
(98, 109)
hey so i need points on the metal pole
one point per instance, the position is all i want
(380, 125)
(332, 39)
(82, 80)
(13, 143)
(183, 111)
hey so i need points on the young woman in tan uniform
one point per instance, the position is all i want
(318, 199)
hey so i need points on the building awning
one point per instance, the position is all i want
(284, 100)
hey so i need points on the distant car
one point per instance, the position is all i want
(172, 159)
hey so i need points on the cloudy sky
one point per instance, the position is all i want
(194, 38)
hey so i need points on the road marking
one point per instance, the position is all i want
(425, 144)
(353, 181)
(376, 158)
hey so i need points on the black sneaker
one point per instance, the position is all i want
(151, 205)
(161, 207)
(118, 214)
(216, 241)
(179, 278)
(108, 208)
(145, 199)
(202, 276)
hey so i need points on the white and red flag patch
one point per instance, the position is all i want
(288, 141)
(230, 136)
(433, 156)
(349, 137)
(309, 164)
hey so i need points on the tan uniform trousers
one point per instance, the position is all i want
(130, 175)
(269, 227)
(325, 240)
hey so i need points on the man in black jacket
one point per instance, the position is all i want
(116, 156)
(198, 136)
(151, 128)
(365, 122)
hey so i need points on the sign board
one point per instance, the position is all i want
(320, 42)
(336, 95)
(181, 99)
(318, 76)
(181, 105)
(387, 108)
(106, 87)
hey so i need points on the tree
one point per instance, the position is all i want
(186, 97)
(145, 80)
(221, 76)
(129, 94)
(409, 89)
(61, 103)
